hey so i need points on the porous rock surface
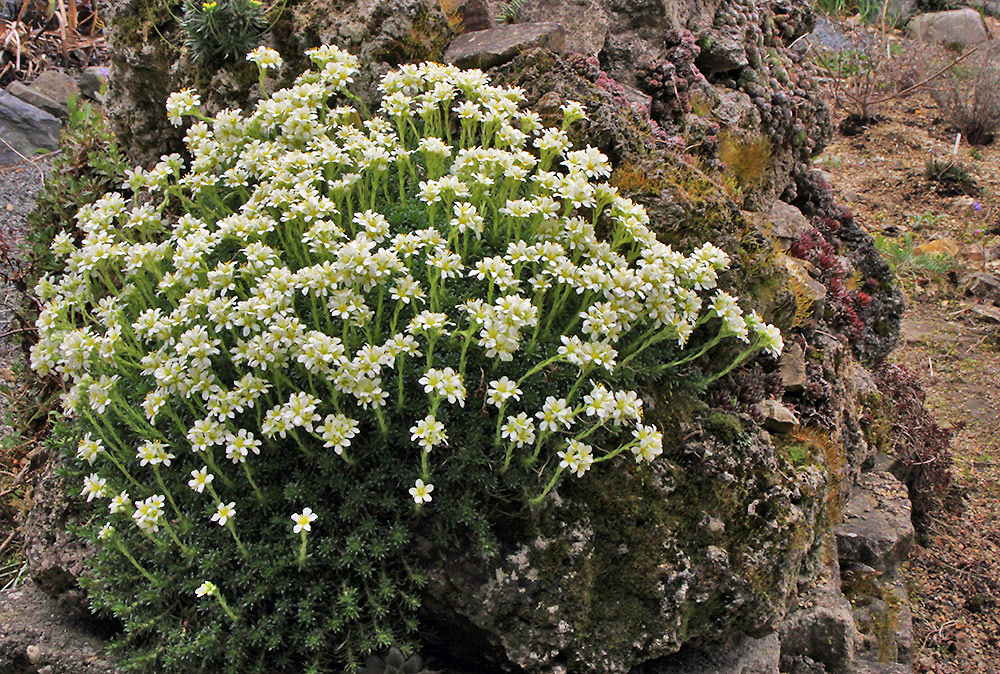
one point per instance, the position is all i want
(716, 560)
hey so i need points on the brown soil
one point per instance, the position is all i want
(952, 342)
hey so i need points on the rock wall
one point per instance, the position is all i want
(723, 559)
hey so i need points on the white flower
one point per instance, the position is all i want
(265, 58)
(224, 513)
(303, 520)
(578, 457)
(119, 503)
(180, 103)
(428, 433)
(520, 430)
(421, 492)
(501, 390)
(89, 449)
(94, 487)
(648, 443)
(106, 532)
(200, 479)
(206, 589)
(555, 413)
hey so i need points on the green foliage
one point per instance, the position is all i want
(334, 309)
(951, 177)
(910, 265)
(222, 30)
(869, 10)
(509, 9)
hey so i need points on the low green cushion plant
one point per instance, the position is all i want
(328, 341)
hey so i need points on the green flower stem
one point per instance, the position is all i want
(225, 606)
(555, 478)
(239, 543)
(613, 454)
(736, 362)
(173, 504)
(214, 467)
(256, 490)
(173, 535)
(302, 549)
(121, 548)
(124, 472)
(425, 471)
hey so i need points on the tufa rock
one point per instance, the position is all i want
(787, 222)
(586, 22)
(877, 530)
(36, 635)
(466, 16)
(820, 631)
(488, 48)
(56, 558)
(752, 656)
(954, 28)
(723, 52)
(793, 368)
(777, 417)
(25, 129)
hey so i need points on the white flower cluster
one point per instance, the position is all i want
(288, 270)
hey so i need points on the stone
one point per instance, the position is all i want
(488, 48)
(585, 21)
(814, 290)
(55, 557)
(867, 667)
(898, 11)
(722, 53)
(983, 285)
(51, 91)
(877, 530)
(792, 367)
(777, 417)
(989, 7)
(820, 631)
(36, 635)
(752, 656)
(827, 36)
(954, 28)
(25, 129)
(787, 222)
(987, 311)
(467, 16)
(93, 81)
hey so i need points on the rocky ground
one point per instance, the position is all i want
(951, 338)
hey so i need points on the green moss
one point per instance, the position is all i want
(725, 426)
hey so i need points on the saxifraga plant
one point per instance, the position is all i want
(221, 30)
(325, 338)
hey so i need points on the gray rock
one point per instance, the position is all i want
(467, 16)
(55, 557)
(585, 21)
(826, 37)
(752, 656)
(989, 7)
(820, 631)
(93, 80)
(24, 129)
(50, 91)
(777, 417)
(723, 52)
(787, 222)
(866, 667)
(877, 530)
(488, 48)
(793, 368)
(982, 285)
(957, 27)
(36, 635)
(898, 11)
